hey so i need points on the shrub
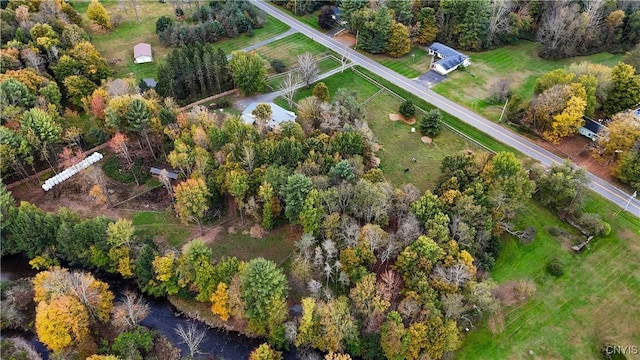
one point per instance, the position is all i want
(554, 231)
(133, 344)
(278, 65)
(593, 225)
(555, 268)
(407, 109)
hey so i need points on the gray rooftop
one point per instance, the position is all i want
(278, 114)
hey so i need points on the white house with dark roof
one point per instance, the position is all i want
(591, 129)
(142, 53)
(278, 115)
(450, 59)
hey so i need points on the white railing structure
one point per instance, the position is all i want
(69, 172)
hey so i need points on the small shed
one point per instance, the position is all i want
(142, 53)
(278, 115)
(591, 128)
(450, 59)
(170, 175)
(150, 83)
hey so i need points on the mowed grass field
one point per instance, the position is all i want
(519, 63)
(412, 65)
(276, 245)
(347, 80)
(162, 226)
(287, 49)
(117, 45)
(571, 317)
(398, 145)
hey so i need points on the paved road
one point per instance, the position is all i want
(506, 136)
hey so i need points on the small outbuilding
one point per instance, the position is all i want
(449, 59)
(150, 83)
(278, 115)
(591, 129)
(142, 53)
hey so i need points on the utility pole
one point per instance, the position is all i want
(626, 206)
(503, 109)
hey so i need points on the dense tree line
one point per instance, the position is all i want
(194, 72)
(210, 22)
(564, 29)
(300, 7)
(47, 65)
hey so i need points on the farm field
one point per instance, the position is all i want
(117, 44)
(570, 317)
(518, 62)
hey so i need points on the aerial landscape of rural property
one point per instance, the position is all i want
(315, 179)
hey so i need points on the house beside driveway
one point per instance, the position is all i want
(142, 53)
(449, 59)
(278, 115)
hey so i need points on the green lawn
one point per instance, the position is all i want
(572, 316)
(271, 28)
(325, 65)
(398, 145)
(117, 45)
(412, 65)
(276, 245)
(287, 49)
(519, 62)
(161, 226)
(347, 80)
(453, 122)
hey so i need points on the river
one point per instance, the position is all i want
(163, 317)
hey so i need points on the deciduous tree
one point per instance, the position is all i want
(307, 67)
(265, 352)
(248, 72)
(625, 89)
(399, 41)
(98, 14)
(192, 201)
(62, 322)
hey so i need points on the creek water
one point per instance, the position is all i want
(163, 317)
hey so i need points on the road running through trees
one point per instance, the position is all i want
(600, 186)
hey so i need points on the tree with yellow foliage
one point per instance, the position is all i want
(192, 201)
(103, 357)
(568, 121)
(399, 42)
(265, 352)
(220, 300)
(98, 14)
(61, 323)
(622, 132)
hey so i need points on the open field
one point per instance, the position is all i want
(572, 316)
(117, 45)
(288, 49)
(518, 62)
(163, 226)
(453, 122)
(398, 145)
(412, 65)
(276, 245)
